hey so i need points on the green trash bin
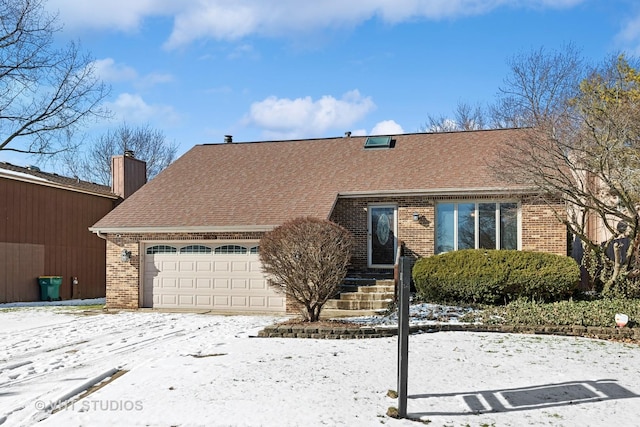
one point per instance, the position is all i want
(50, 287)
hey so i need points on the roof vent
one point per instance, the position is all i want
(228, 139)
(377, 142)
(129, 153)
(33, 168)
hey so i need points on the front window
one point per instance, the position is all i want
(509, 225)
(476, 225)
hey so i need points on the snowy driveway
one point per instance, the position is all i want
(178, 369)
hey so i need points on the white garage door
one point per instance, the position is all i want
(224, 277)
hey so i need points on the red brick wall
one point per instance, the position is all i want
(417, 235)
(122, 277)
(541, 230)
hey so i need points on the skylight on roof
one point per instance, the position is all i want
(377, 142)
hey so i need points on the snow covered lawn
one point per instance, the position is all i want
(185, 369)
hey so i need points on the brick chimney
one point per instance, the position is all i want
(128, 174)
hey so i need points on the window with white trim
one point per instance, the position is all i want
(161, 249)
(476, 225)
(195, 249)
(230, 249)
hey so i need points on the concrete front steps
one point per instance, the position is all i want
(361, 300)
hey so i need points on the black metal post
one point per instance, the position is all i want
(403, 335)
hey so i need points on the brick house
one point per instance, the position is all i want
(44, 228)
(190, 237)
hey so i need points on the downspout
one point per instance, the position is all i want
(103, 237)
(74, 280)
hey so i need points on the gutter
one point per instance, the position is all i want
(101, 231)
(479, 191)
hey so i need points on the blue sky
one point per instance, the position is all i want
(282, 69)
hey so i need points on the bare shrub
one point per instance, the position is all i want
(306, 259)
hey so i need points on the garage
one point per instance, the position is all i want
(220, 276)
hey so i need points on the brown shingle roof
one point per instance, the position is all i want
(35, 175)
(243, 185)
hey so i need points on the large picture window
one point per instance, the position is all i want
(476, 225)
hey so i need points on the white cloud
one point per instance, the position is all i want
(231, 20)
(387, 127)
(629, 36)
(122, 15)
(220, 19)
(109, 71)
(213, 19)
(305, 117)
(133, 109)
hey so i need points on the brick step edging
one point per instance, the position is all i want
(338, 332)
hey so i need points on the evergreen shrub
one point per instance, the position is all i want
(479, 276)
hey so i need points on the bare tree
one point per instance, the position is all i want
(306, 259)
(439, 124)
(146, 143)
(465, 117)
(581, 150)
(470, 117)
(535, 91)
(45, 93)
(585, 150)
(537, 88)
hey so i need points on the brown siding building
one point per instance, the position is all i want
(44, 231)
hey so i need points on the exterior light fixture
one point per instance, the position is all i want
(416, 216)
(125, 255)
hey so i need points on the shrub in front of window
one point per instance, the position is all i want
(495, 276)
(306, 259)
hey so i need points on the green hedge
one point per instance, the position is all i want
(495, 276)
(562, 313)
